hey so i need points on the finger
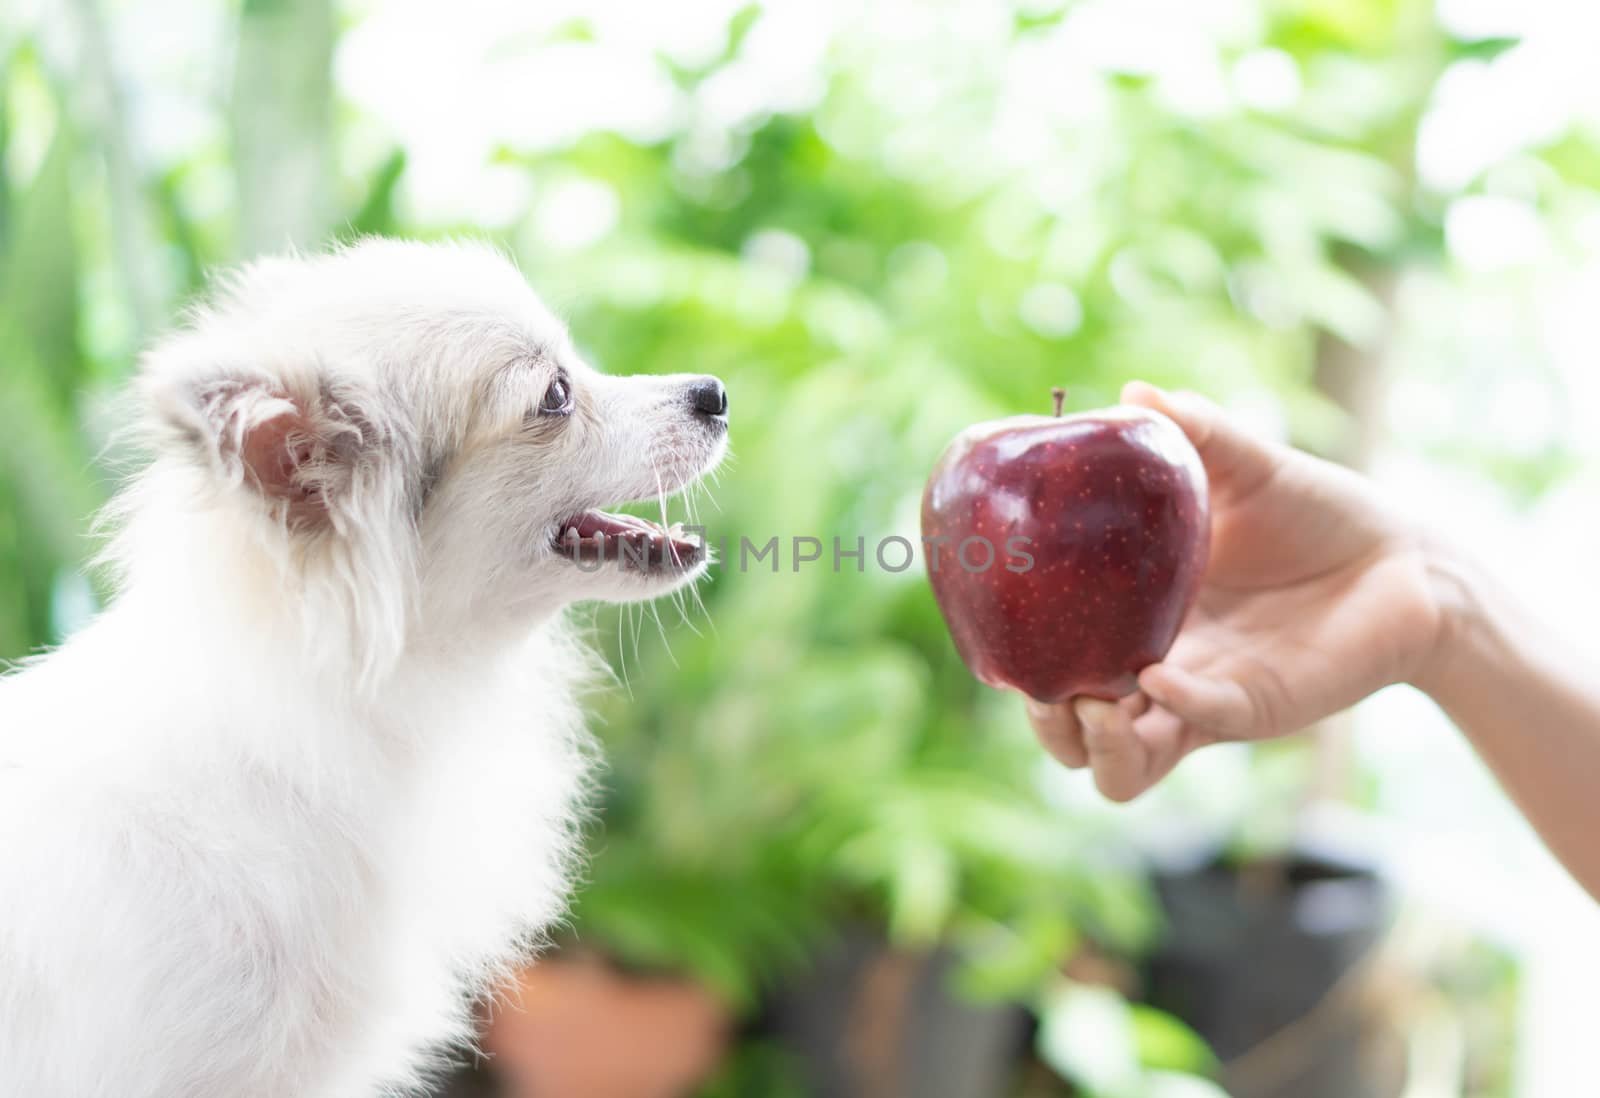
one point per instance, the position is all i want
(1058, 730)
(1218, 709)
(1117, 755)
(1227, 450)
(1167, 739)
(1134, 703)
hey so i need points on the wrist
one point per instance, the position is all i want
(1456, 589)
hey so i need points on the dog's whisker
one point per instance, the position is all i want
(661, 497)
(711, 623)
(622, 655)
(636, 619)
(680, 599)
(662, 629)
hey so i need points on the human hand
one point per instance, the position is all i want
(1315, 596)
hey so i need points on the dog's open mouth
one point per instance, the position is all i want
(595, 537)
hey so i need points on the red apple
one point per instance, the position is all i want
(1095, 528)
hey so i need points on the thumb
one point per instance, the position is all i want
(1213, 708)
(1228, 451)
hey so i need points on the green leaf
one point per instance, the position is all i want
(1086, 1035)
(1481, 49)
(377, 213)
(1165, 1043)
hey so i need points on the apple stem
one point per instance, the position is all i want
(1059, 396)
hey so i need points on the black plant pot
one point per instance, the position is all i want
(865, 1021)
(1271, 964)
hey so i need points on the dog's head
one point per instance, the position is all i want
(410, 416)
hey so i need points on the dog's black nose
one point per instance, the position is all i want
(708, 397)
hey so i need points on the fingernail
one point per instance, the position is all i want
(1150, 683)
(1139, 383)
(1186, 403)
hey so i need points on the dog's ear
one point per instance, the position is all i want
(298, 447)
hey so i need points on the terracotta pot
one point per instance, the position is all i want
(574, 1026)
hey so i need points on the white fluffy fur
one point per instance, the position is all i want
(270, 822)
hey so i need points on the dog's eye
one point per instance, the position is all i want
(557, 399)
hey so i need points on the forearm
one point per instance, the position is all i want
(1529, 704)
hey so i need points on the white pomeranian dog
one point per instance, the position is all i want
(271, 821)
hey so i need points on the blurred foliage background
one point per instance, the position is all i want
(878, 223)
